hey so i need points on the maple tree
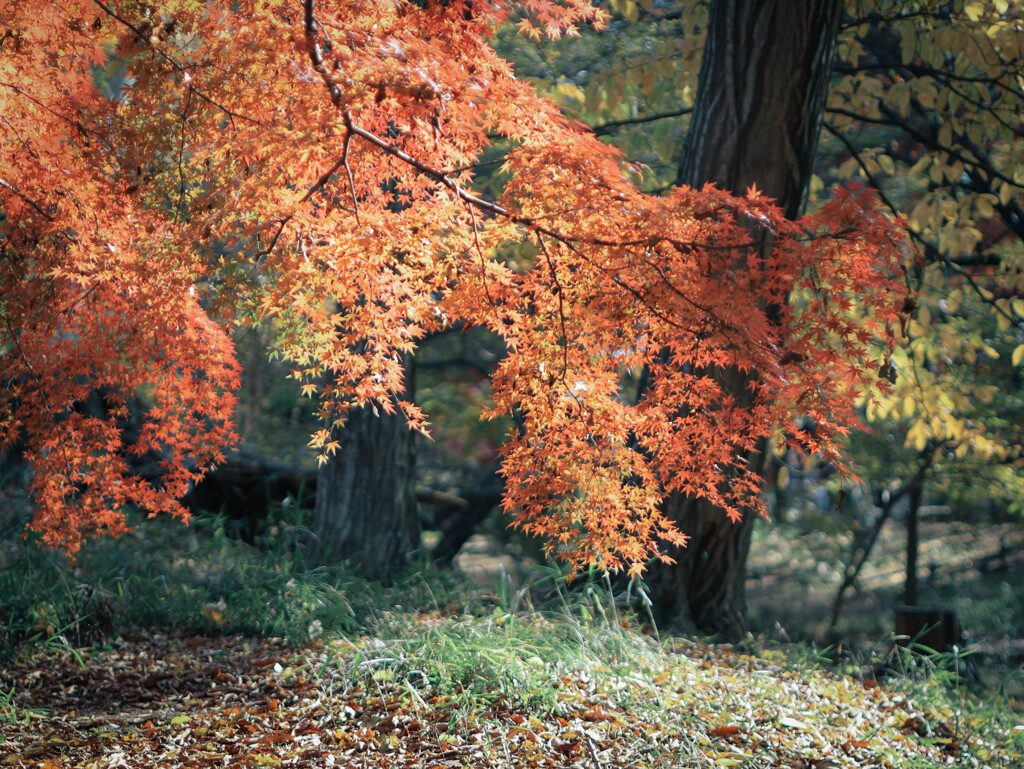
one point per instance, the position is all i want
(313, 163)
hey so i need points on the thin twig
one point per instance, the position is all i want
(561, 306)
(928, 247)
(181, 156)
(593, 753)
(348, 170)
(483, 260)
(177, 67)
(611, 125)
(317, 185)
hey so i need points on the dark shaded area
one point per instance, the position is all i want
(246, 487)
(461, 518)
(931, 627)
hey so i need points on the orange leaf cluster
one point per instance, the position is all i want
(313, 163)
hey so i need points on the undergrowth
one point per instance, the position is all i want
(428, 639)
(196, 580)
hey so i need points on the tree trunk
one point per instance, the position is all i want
(365, 508)
(913, 542)
(761, 97)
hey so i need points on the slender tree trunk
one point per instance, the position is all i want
(910, 596)
(365, 507)
(761, 97)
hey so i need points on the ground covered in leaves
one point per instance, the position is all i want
(471, 692)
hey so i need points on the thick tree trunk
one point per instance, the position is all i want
(761, 96)
(365, 508)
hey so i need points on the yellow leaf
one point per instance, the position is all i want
(848, 168)
(917, 436)
(1018, 355)
(983, 206)
(1005, 193)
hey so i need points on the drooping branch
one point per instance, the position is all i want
(439, 176)
(24, 197)
(177, 66)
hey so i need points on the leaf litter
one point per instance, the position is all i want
(166, 701)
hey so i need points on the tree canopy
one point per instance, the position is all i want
(170, 171)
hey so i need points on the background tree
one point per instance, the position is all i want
(951, 159)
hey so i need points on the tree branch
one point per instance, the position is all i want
(177, 67)
(924, 139)
(20, 194)
(611, 125)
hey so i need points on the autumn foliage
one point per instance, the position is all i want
(313, 164)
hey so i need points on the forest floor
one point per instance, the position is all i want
(479, 678)
(611, 698)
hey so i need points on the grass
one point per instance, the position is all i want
(511, 685)
(193, 580)
(481, 671)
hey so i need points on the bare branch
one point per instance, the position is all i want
(611, 125)
(351, 181)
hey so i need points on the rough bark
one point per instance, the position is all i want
(761, 97)
(366, 509)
